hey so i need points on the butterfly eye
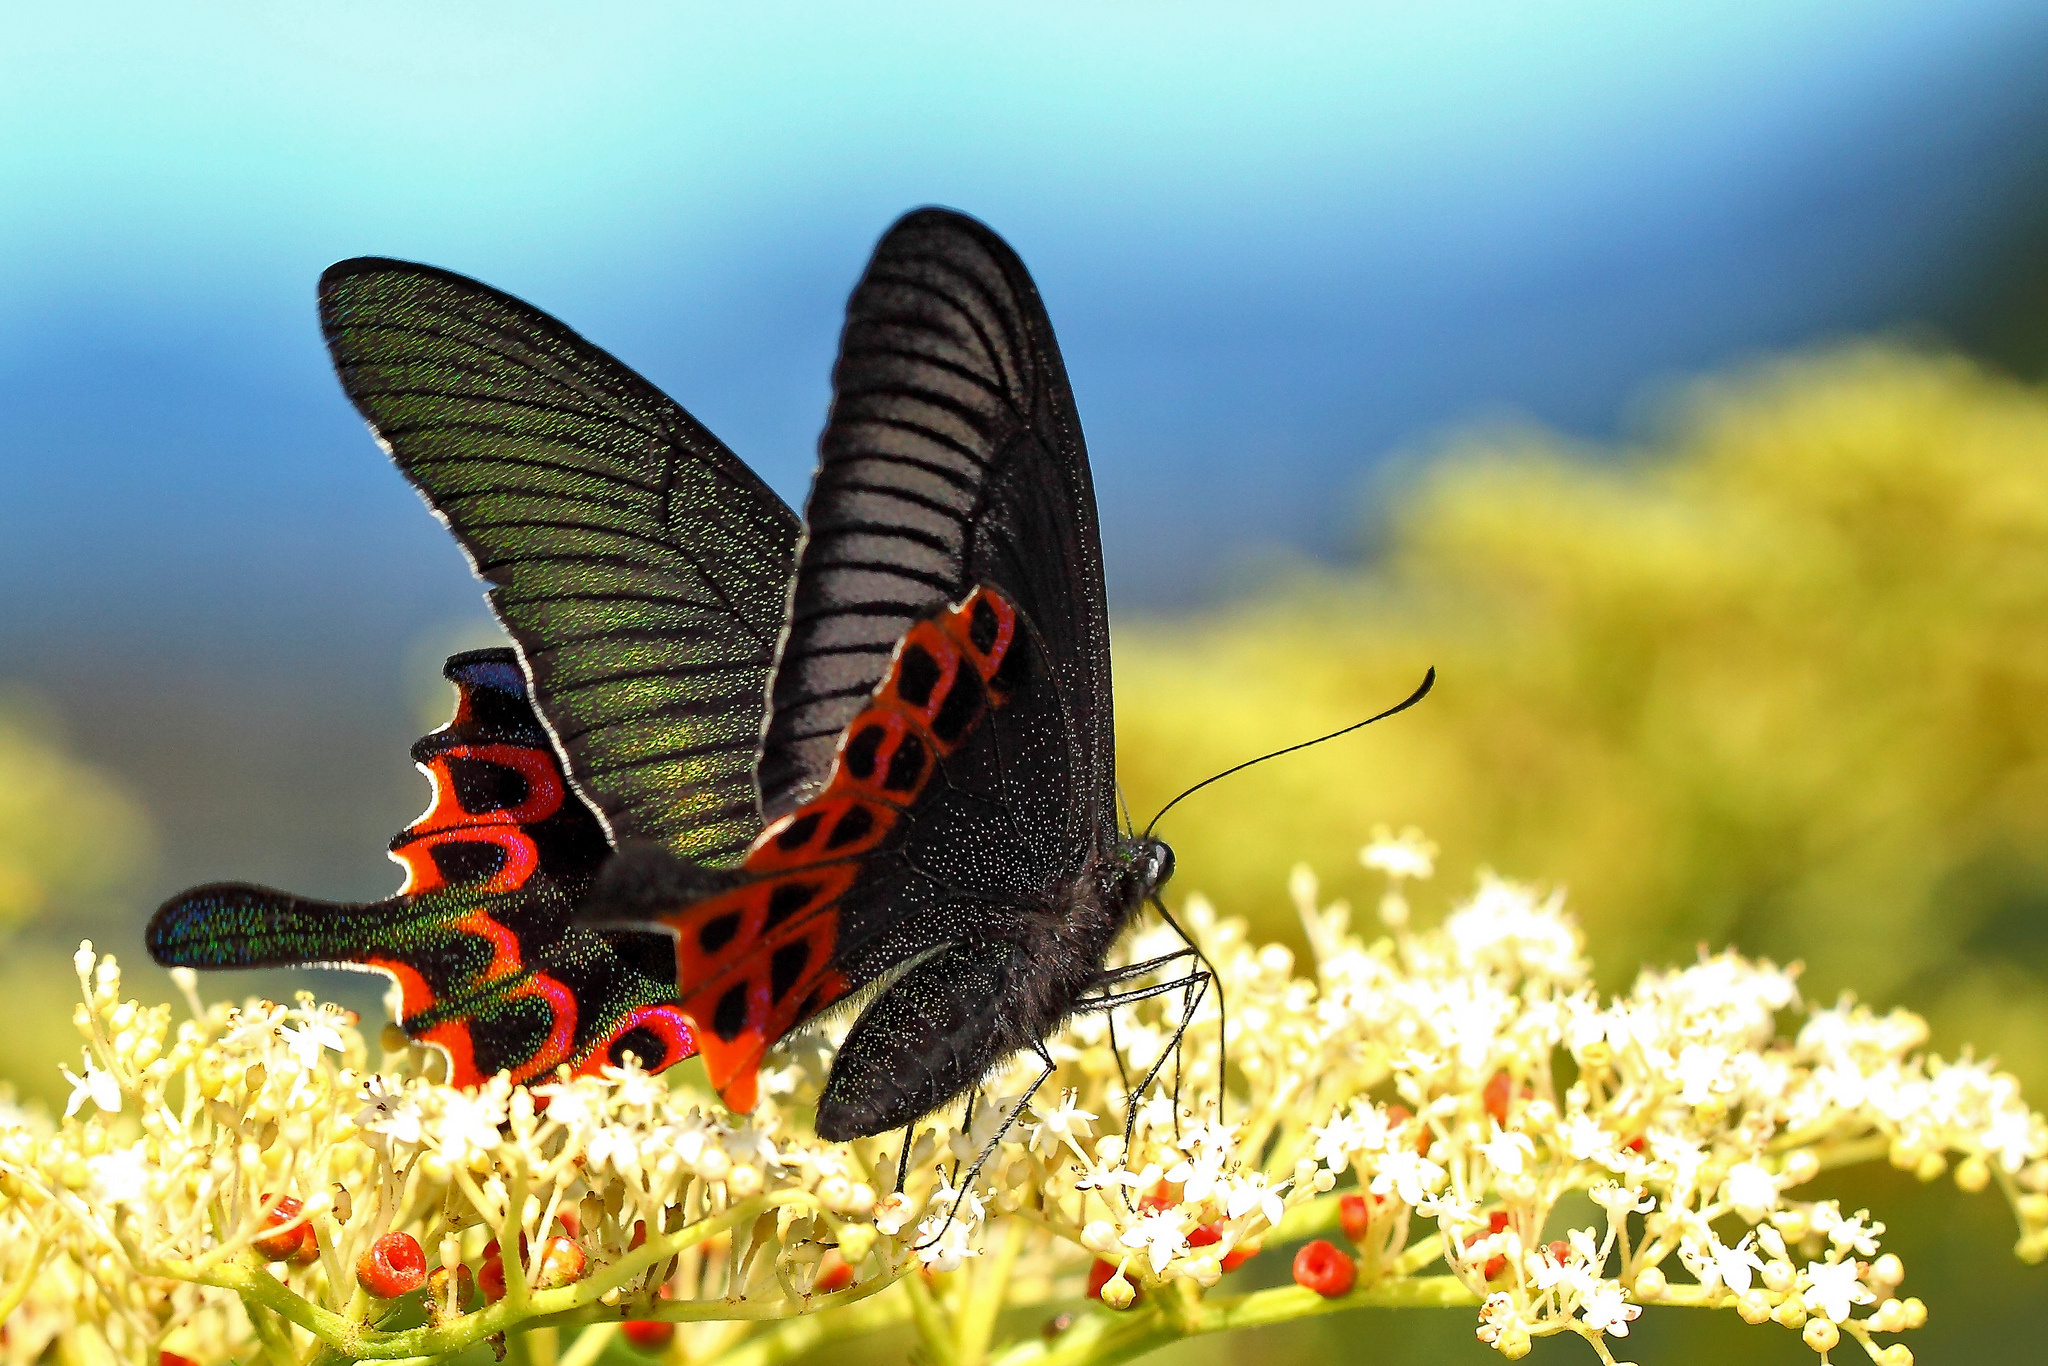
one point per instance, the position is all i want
(1158, 866)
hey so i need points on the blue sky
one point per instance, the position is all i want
(1280, 243)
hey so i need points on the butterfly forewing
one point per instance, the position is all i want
(639, 566)
(952, 458)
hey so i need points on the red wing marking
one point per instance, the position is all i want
(561, 1040)
(510, 787)
(414, 995)
(668, 1025)
(754, 962)
(452, 1038)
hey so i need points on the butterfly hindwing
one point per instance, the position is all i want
(767, 954)
(480, 941)
(639, 566)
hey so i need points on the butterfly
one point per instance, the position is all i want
(868, 766)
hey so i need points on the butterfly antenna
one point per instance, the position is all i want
(1428, 682)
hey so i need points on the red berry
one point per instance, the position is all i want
(490, 1278)
(651, 1336)
(639, 1234)
(1355, 1214)
(1560, 1252)
(562, 1261)
(173, 1359)
(275, 1247)
(833, 1274)
(1500, 1089)
(1161, 1196)
(1322, 1268)
(393, 1266)
(1206, 1235)
(1239, 1255)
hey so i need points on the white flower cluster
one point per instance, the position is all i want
(1483, 1126)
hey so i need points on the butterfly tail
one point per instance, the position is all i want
(235, 925)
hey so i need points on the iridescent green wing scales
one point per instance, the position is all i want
(639, 567)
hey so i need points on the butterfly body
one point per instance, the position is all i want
(869, 764)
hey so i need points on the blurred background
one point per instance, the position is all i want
(1665, 375)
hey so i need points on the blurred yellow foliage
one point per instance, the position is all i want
(1778, 679)
(70, 839)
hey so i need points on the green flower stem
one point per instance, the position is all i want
(1106, 1337)
(276, 1340)
(18, 1292)
(930, 1323)
(589, 1345)
(353, 1341)
(975, 1320)
(792, 1338)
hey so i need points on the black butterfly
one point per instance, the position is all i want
(925, 811)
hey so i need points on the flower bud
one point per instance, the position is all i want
(855, 1242)
(1821, 1335)
(1117, 1292)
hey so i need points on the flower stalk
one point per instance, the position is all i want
(1438, 1105)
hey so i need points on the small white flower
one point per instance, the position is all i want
(101, 1088)
(1621, 1201)
(1406, 855)
(1715, 1264)
(388, 1112)
(1199, 1177)
(1065, 1123)
(1752, 1190)
(1606, 1311)
(1586, 1141)
(2011, 1137)
(120, 1177)
(1859, 1234)
(305, 1039)
(1248, 1193)
(467, 1124)
(1832, 1287)
(892, 1212)
(1408, 1174)
(1508, 1151)
(1163, 1235)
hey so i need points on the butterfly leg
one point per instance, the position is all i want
(1131, 972)
(1196, 986)
(967, 1129)
(988, 1148)
(1222, 1003)
(903, 1162)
